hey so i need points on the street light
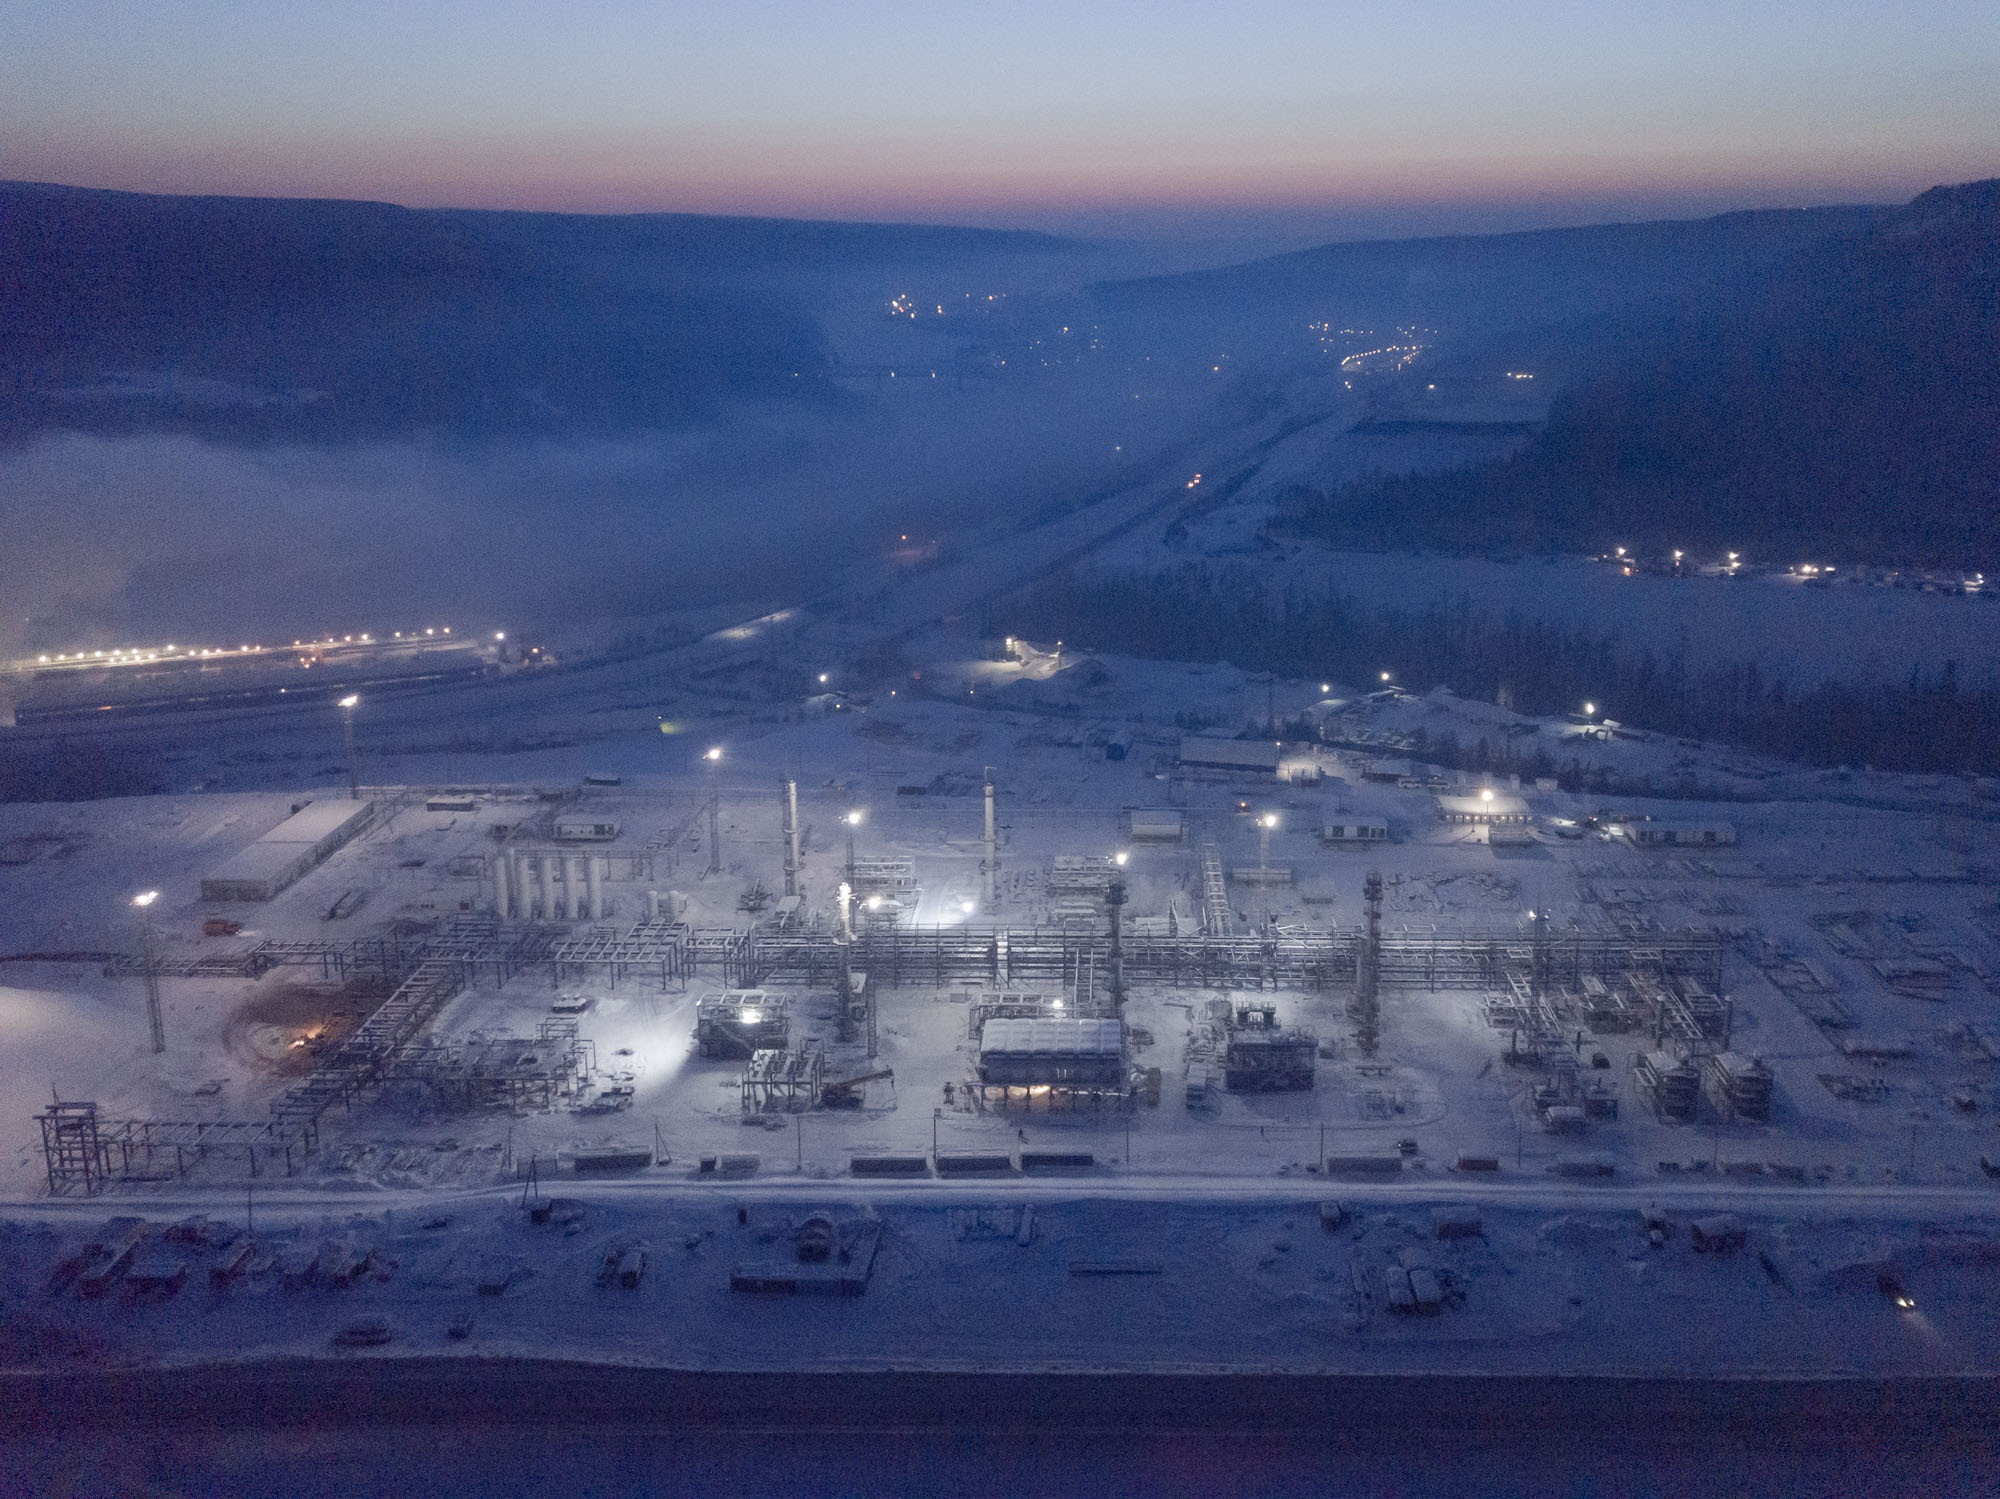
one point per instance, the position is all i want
(349, 704)
(144, 901)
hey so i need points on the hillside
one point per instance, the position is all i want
(1845, 407)
(251, 317)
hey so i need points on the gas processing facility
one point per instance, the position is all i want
(611, 977)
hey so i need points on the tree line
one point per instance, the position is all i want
(1200, 612)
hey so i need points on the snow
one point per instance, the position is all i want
(1839, 889)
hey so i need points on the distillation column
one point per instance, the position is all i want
(990, 864)
(791, 837)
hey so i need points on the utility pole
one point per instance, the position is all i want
(144, 902)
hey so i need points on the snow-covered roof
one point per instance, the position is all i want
(1501, 806)
(1236, 754)
(1067, 1037)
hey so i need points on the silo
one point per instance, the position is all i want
(499, 876)
(600, 866)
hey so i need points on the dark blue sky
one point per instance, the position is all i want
(1456, 113)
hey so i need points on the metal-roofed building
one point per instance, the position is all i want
(1483, 808)
(295, 846)
(1085, 1052)
(1260, 756)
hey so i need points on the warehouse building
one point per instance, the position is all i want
(1252, 756)
(299, 844)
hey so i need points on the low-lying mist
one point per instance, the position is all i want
(176, 538)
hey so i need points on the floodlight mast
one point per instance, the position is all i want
(144, 901)
(349, 704)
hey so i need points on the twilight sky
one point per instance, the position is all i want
(1377, 117)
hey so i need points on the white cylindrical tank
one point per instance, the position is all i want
(600, 866)
(573, 903)
(652, 905)
(499, 876)
(545, 889)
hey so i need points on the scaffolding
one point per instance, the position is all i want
(739, 1023)
(1218, 919)
(503, 1071)
(787, 1081)
(73, 1148)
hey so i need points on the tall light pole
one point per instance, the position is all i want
(144, 901)
(1264, 826)
(348, 704)
(714, 759)
(853, 821)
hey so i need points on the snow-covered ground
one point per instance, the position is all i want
(1834, 880)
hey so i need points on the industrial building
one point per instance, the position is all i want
(1156, 825)
(585, 829)
(1259, 756)
(1074, 1052)
(1651, 834)
(1483, 808)
(1353, 834)
(737, 1024)
(1261, 1056)
(296, 846)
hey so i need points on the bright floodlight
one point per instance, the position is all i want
(1325, 687)
(1119, 858)
(499, 634)
(145, 898)
(874, 902)
(1589, 710)
(854, 819)
(751, 1017)
(967, 907)
(1269, 820)
(822, 679)
(1486, 794)
(1385, 676)
(350, 700)
(714, 754)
